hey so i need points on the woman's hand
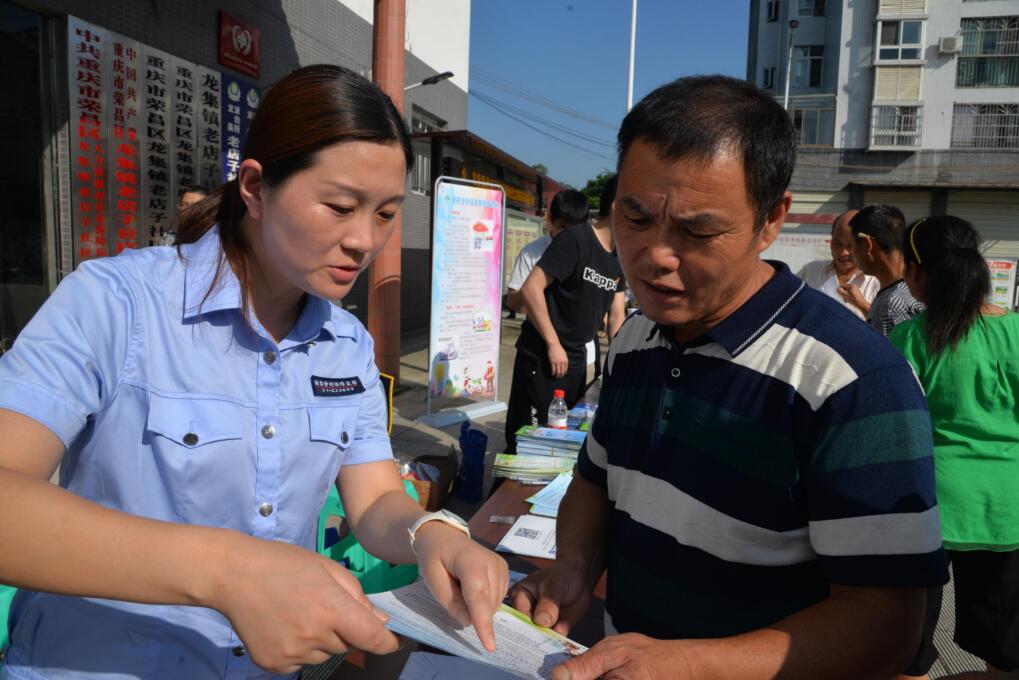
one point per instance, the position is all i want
(468, 580)
(292, 607)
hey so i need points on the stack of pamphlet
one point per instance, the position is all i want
(546, 502)
(531, 469)
(580, 416)
(547, 441)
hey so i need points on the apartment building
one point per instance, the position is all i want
(909, 102)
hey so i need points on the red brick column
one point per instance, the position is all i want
(384, 274)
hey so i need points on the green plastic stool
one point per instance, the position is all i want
(6, 595)
(375, 575)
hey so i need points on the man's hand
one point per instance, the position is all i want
(554, 598)
(292, 607)
(558, 360)
(850, 292)
(628, 657)
(465, 578)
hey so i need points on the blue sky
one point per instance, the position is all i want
(561, 66)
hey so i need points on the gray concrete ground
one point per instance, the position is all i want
(412, 439)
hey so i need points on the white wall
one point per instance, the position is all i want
(856, 75)
(438, 33)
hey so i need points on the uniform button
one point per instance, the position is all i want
(666, 414)
(270, 358)
(265, 509)
(675, 373)
(268, 431)
(344, 437)
(191, 439)
(239, 650)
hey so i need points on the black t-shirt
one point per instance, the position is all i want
(587, 277)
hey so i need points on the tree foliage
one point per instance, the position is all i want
(594, 186)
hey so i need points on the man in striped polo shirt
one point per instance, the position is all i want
(758, 480)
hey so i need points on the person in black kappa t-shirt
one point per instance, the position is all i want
(573, 285)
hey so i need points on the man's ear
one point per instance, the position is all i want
(251, 186)
(772, 226)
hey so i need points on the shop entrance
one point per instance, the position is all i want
(24, 269)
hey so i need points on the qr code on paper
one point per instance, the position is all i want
(529, 534)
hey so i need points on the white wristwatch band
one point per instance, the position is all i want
(443, 516)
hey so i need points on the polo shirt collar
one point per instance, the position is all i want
(202, 258)
(737, 331)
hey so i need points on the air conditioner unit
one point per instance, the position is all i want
(951, 44)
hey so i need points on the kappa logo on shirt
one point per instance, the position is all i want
(336, 387)
(599, 280)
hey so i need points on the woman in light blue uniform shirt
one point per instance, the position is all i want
(200, 403)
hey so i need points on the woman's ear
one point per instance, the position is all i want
(251, 186)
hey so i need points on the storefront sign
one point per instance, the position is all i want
(1003, 280)
(466, 289)
(240, 100)
(239, 44)
(144, 124)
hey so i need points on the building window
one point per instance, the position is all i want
(421, 177)
(898, 40)
(895, 126)
(807, 62)
(985, 126)
(773, 10)
(810, 8)
(990, 53)
(902, 6)
(815, 124)
(769, 78)
(424, 121)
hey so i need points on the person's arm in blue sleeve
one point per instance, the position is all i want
(64, 368)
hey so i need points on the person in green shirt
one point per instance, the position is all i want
(964, 352)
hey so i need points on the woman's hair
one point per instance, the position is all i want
(947, 249)
(308, 110)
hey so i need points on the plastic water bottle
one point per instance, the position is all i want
(557, 410)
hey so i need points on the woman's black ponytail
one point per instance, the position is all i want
(947, 249)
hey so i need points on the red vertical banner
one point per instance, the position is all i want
(87, 47)
(125, 142)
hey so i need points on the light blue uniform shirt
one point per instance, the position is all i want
(184, 417)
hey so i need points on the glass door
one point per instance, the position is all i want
(24, 276)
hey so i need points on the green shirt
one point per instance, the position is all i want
(972, 392)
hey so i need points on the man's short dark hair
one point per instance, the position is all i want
(884, 224)
(608, 194)
(569, 207)
(700, 116)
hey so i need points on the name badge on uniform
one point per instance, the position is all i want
(336, 387)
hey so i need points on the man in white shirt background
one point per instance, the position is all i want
(834, 277)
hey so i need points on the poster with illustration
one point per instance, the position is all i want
(1003, 279)
(466, 289)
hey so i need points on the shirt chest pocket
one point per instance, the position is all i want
(333, 425)
(193, 423)
(201, 459)
(331, 430)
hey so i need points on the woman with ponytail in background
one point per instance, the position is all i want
(200, 401)
(966, 354)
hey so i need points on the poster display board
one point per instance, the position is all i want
(1003, 280)
(466, 301)
(797, 250)
(521, 229)
(143, 124)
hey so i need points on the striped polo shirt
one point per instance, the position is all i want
(787, 449)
